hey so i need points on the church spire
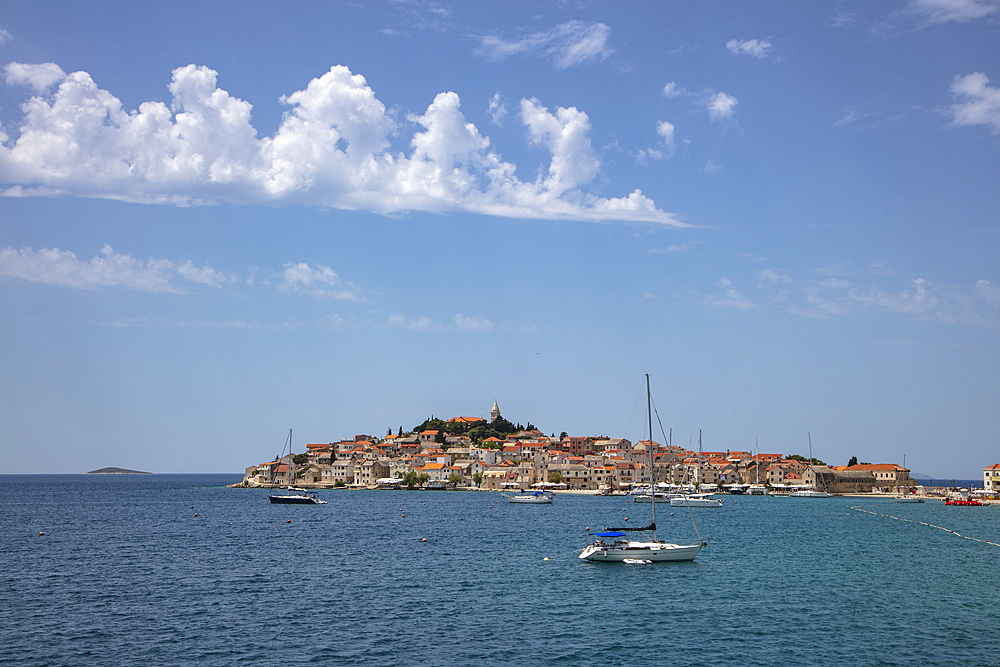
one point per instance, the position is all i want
(495, 412)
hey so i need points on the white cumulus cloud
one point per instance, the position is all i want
(978, 102)
(332, 149)
(321, 281)
(41, 77)
(757, 48)
(721, 107)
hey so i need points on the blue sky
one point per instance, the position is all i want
(221, 222)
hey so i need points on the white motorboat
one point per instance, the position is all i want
(660, 497)
(809, 493)
(757, 490)
(531, 498)
(613, 544)
(907, 498)
(698, 500)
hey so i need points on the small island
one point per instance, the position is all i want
(116, 471)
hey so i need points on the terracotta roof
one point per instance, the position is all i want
(466, 420)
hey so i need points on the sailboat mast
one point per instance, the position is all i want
(652, 467)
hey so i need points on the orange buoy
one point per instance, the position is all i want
(403, 515)
(288, 520)
(626, 519)
(41, 533)
(423, 539)
(196, 514)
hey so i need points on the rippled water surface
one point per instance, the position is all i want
(179, 570)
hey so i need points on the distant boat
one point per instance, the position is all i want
(696, 500)
(757, 490)
(609, 547)
(530, 498)
(292, 495)
(907, 498)
(810, 493)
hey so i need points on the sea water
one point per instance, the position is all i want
(180, 570)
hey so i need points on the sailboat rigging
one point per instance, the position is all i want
(610, 547)
(292, 495)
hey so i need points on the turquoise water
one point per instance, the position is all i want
(126, 574)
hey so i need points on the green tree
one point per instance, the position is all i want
(853, 461)
(300, 459)
(477, 478)
(411, 479)
(555, 477)
(454, 479)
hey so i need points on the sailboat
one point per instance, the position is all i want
(610, 545)
(810, 492)
(292, 495)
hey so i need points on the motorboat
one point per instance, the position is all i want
(907, 498)
(697, 500)
(531, 498)
(810, 493)
(757, 490)
(661, 497)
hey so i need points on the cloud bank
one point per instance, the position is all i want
(52, 266)
(332, 150)
(979, 103)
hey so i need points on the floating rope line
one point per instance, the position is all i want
(929, 525)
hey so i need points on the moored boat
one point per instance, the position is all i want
(531, 498)
(698, 500)
(292, 495)
(613, 544)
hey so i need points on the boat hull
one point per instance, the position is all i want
(657, 552)
(296, 500)
(529, 501)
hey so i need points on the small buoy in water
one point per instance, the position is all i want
(546, 558)
(586, 527)
(192, 507)
(625, 519)
(196, 514)
(623, 509)
(403, 515)
(41, 533)
(288, 520)
(423, 539)
(400, 509)
(671, 514)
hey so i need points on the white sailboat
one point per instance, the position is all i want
(292, 495)
(610, 545)
(810, 492)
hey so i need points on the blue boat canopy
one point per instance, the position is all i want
(609, 534)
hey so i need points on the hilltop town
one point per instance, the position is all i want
(471, 452)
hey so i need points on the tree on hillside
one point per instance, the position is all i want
(799, 457)
(853, 461)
